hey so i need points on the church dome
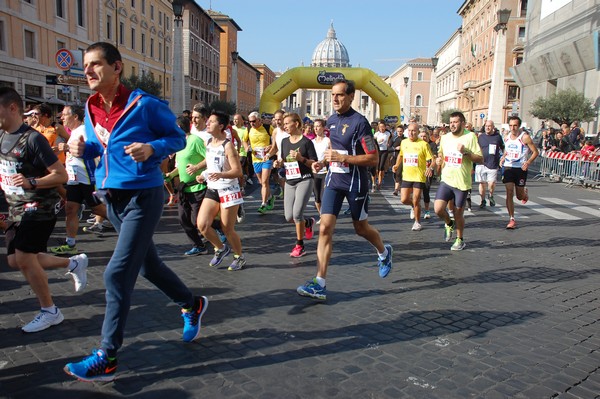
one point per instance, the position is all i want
(330, 52)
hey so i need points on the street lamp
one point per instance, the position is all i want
(434, 61)
(178, 101)
(503, 17)
(234, 76)
(406, 81)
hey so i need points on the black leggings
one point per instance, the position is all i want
(319, 183)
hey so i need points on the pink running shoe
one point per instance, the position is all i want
(298, 251)
(309, 232)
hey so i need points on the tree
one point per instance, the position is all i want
(226, 107)
(144, 82)
(565, 106)
(446, 114)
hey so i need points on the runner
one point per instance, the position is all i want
(259, 139)
(222, 194)
(299, 153)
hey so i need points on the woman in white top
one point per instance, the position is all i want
(223, 192)
(321, 143)
(383, 138)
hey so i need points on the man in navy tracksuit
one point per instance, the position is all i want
(132, 132)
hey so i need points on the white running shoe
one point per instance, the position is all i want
(417, 226)
(43, 320)
(79, 272)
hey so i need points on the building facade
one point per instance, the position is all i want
(445, 82)
(412, 83)
(562, 44)
(33, 31)
(488, 50)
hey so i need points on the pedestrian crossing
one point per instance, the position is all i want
(554, 208)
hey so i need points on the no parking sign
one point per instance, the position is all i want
(64, 59)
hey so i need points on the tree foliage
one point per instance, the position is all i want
(446, 114)
(144, 82)
(226, 107)
(565, 106)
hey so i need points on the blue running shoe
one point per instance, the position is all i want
(192, 319)
(385, 265)
(312, 289)
(220, 254)
(195, 251)
(222, 236)
(96, 367)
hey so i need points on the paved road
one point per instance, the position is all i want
(514, 315)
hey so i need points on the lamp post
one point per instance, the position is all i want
(234, 77)
(406, 100)
(497, 95)
(178, 100)
(432, 105)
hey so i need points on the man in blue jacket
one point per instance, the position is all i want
(132, 132)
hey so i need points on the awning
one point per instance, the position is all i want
(35, 99)
(51, 100)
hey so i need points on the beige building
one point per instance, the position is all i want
(488, 50)
(267, 76)
(445, 87)
(412, 83)
(32, 32)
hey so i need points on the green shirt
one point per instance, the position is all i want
(457, 169)
(193, 153)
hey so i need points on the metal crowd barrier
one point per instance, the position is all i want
(572, 168)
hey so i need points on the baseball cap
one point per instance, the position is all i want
(29, 112)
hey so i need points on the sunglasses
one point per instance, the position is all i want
(252, 121)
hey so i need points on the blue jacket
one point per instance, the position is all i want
(146, 119)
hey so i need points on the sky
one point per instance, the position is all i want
(380, 35)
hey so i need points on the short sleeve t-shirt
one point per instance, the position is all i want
(457, 169)
(490, 149)
(259, 139)
(307, 150)
(415, 155)
(193, 153)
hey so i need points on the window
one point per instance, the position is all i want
(418, 101)
(121, 33)
(133, 38)
(2, 37)
(521, 33)
(160, 54)
(60, 8)
(152, 12)
(80, 13)
(160, 18)
(419, 76)
(109, 26)
(29, 42)
(132, 71)
(132, 3)
(143, 5)
(152, 47)
(143, 43)
(167, 56)
(513, 93)
(60, 44)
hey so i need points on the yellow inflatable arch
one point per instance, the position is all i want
(323, 78)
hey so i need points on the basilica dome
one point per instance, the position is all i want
(330, 52)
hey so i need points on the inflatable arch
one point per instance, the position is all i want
(323, 78)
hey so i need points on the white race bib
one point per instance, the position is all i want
(259, 153)
(492, 149)
(292, 170)
(453, 159)
(340, 167)
(102, 133)
(230, 196)
(411, 160)
(7, 171)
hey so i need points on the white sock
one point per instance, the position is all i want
(52, 309)
(71, 241)
(383, 254)
(320, 281)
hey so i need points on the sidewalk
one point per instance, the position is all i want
(513, 315)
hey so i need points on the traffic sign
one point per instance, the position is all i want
(51, 79)
(64, 59)
(66, 80)
(482, 115)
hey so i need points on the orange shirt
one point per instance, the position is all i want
(51, 135)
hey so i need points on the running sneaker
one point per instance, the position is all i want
(59, 206)
(91, 220)
(241, 216)
(373, 188)
(451, 214)
(64, 249)
(459, 245)
(96, 367)
(483, 204)
(348, 211)
(526, 198)
(43, 320)
(238, 263)
(427, 215)
(281, 194)
(172, 200)
(271, 203)
(262, 209)
(309, 230)
(96, 228)
(412, 213)
(385, 265)
(448, 230)
(492, 201)
(79, 272)
(298, 251)
(512, 224)
(313, 290)
(195, 251)
(222, 236)
(107, 225)
(395, 193)
(192, 319)
(80, 212)
(417, 226)
(219, 255)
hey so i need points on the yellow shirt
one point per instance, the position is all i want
(259, 139)
(456, 168)
(415, 155)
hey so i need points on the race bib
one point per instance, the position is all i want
(7, 171)
(292, 170)
(492, 149)
(230, 196)
(411, 160)
(340, 167)
(102, 133)
(512, 155)
(259, 153)
(453, 159)
(71, 173)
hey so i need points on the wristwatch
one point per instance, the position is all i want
(33, 183)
